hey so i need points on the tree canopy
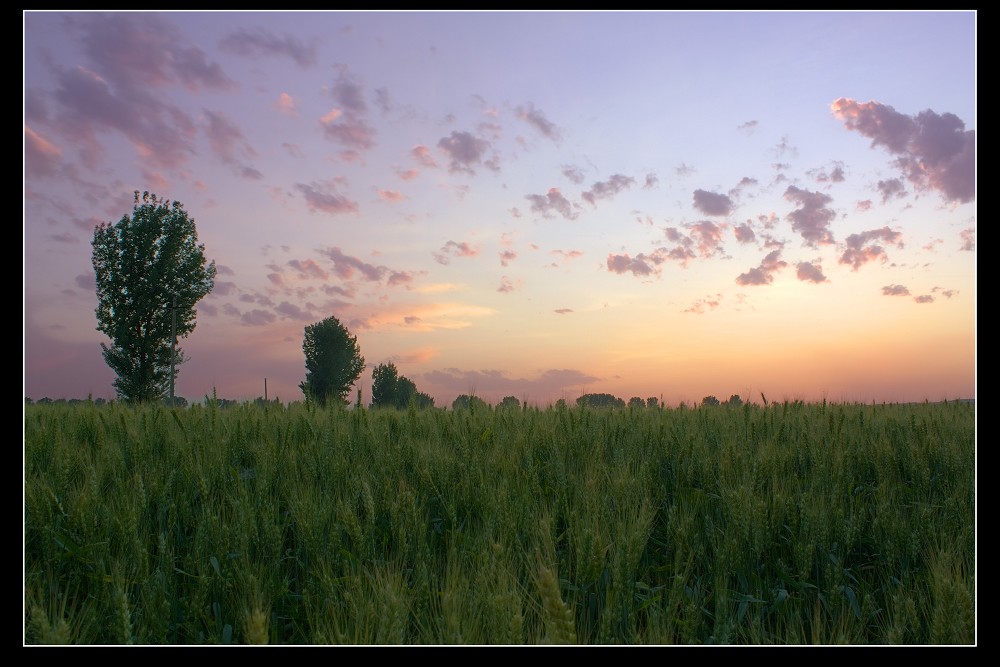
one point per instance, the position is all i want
(469, 402)
(333, 361)
(600, 401)
(150, 272)
(390, 389)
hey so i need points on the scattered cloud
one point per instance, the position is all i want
(861, 248)
(392, 196)
(895, 290)
(891, 188)
(507, 256)
(457, 249)
(41, 157)
(763, 274)
(641, 265)
(423, 156)
(744, 233)
(258, 317)
(286, 104)
(320, 197)
(607, 189)
(968, 239)
(812, 219)
(464, 151)
(347, 267)
(711, 203)
(935, 151)
(810, 272)
(553, 200)
(537, 120)
(574, 174)
(699, 306)
(260, 42)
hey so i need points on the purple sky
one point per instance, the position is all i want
(536, 204)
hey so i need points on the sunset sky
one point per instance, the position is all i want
(535, 204)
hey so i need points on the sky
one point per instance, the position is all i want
(531, 204)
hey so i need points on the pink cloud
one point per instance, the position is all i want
(308, 268)
(861, 248)
(537, 120)
(553, 200)
(708, 237)
(257, 317)
(711, 203)
(507, 256)
(810, 272)
(260, 42)
(41, 157)
(812, 219)
(423, 156)
(286, 104)
(744, 233)
(346, 266)
(895, 290)
(464, 151)
(391, 196)
(968, 239)
(319, 198)
(462, 249)
(607, 189)
(640, 265)
(226, 138)
(573, 173)
(698, 307)
(892, 188)
(763, 274)
(935, 150)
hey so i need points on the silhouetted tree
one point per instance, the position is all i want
(600, 401)
(390, 389)
(652, 402)
(333, 361)
(735, 401)
(510, 402)
(636, 403)
(467, 402)
(709, 400)
(385, 378)
(150, 272)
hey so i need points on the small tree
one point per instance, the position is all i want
(600, 401)
(709, 400)
(150, 272)
(510, 402)
(735, 401)
(333, 361)
(636, 403)
(468, 402)
(390, 389)
(385, 380)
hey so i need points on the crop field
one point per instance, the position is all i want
(789, 523)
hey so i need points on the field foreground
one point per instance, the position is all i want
(787, 524)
